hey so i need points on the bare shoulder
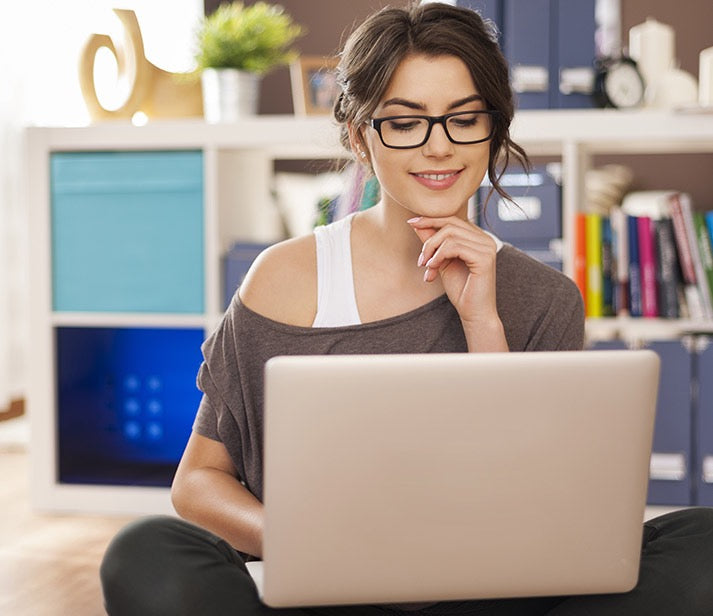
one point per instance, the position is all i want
(282, 282)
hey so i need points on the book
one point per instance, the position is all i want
(620, 262)
(635, 309)
(668, 279)
(607, 265)
(580, 254)
(682, 244)
(593, 243)
(684, 202)
(704, 247)
(647, 267)
(647, 207)
(686, 250)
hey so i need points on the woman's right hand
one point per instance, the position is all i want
(464, 257)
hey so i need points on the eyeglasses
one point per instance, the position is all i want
(412, 131)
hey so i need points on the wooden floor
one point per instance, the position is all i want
(48, 563)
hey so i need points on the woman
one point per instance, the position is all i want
(426, 106)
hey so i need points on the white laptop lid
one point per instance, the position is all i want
(402, 478)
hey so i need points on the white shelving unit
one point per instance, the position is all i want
(237, 169)
(238, 165)
(577, 136)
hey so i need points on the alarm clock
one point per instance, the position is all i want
(619, 83)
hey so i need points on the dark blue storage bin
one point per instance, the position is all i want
(550, 48)
(671, 474)
(671, 482)
(535, 217)
(533, 221)
(126, 400)
(703, 375)
(236, 264)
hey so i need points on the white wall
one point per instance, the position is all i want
(55, 39)
(40, 42)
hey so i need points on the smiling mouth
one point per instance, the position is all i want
(436, 176)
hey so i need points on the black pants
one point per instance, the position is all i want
(165, 566)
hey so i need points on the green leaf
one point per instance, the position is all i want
(255, 38)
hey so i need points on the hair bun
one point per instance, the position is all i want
(338, 111)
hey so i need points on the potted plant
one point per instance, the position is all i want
(236, 46)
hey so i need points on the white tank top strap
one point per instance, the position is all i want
(336, 301)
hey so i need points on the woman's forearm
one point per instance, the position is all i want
(218, 502)
(485, 337)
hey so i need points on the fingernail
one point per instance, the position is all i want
(426, 275)
(413, 220)
(421, 259)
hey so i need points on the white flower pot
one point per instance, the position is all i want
(229, 94)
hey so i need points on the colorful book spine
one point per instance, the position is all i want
(647, 265)
(704, 247)
(580, 254)
(635, 309)
(682, 245)
(696, 257)
(709, 223)
(607, 268)
(667, 268)
(620, 262)
(691, 291)
(593, 240)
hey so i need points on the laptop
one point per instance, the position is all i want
(409, 478)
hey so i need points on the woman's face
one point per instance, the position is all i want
(437, 178)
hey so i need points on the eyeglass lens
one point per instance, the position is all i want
(411, 131)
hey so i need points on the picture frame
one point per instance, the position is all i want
(314, 84)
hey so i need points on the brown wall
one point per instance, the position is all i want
(327, 21)
(691, 19)
(693, 22)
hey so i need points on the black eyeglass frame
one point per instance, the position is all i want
(376, 123)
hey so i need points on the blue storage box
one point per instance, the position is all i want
(572, 70)
(670, 477)
(127, 231)
(550, 47)
(488, 9)
(236, 264)
(704, 422)
(530, 52)
(126, 400)
(672, 460)
(534, 219)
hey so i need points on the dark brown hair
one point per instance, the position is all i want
(376, 48)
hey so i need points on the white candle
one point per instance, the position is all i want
(652, 45)
(705, 78)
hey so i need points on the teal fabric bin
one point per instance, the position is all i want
(127, 231)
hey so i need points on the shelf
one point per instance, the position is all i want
(639, 329)
(611, 131)
(237, 202)
(283, 136)
(130, 500)
(542, 132)
(108, 319)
